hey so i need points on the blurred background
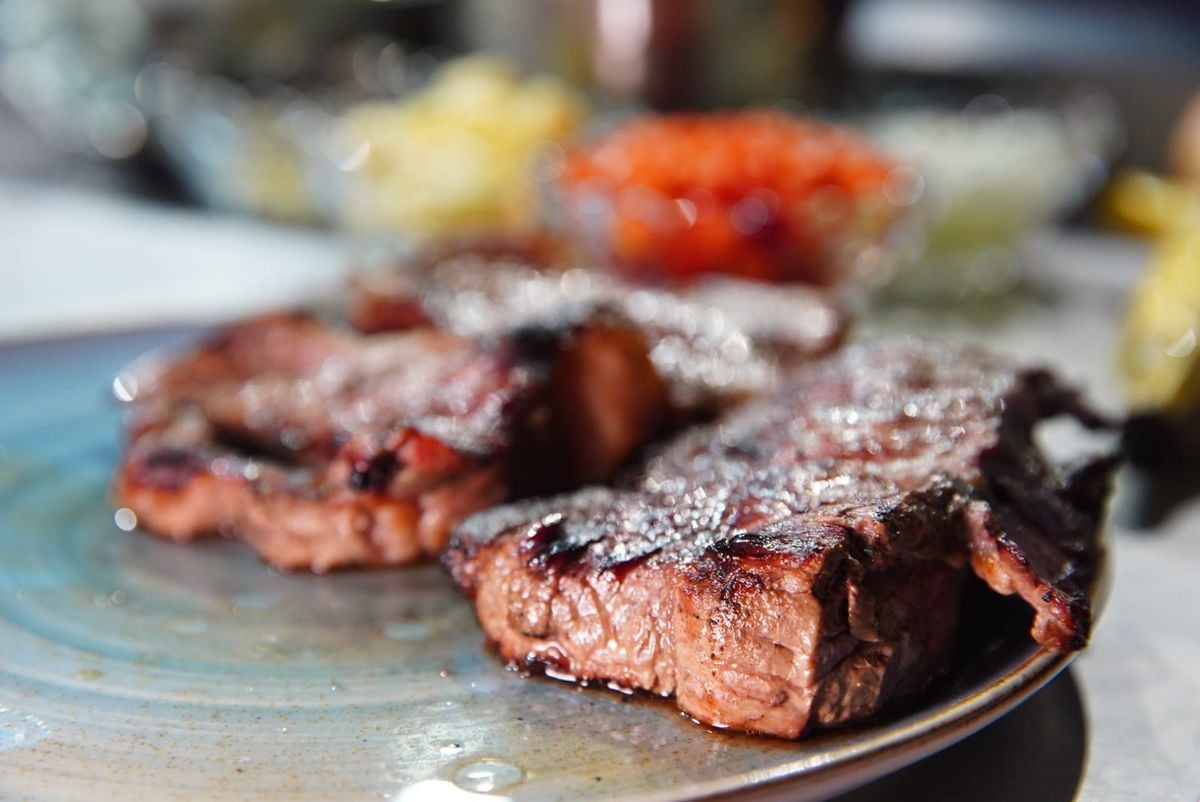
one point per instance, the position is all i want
(133, 131)
(89, 78)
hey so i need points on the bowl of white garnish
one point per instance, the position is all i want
(995, 171)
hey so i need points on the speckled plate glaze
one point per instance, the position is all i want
(135, 668)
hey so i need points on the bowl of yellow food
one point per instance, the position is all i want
(450, 149)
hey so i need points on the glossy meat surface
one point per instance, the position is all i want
(324, 448)
(713, 342)
(797, 563)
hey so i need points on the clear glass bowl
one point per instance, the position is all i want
(271, 150)
(993, 171)
(448, 153)
(760, 195)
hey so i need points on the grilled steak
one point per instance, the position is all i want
(322, 448)
(798, 563)
(491, 379)
(395, 300)
(713, 342)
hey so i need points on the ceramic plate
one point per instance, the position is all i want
(135, 668)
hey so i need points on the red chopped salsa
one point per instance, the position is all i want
(761, 194)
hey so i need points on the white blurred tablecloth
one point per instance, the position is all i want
(75, 262)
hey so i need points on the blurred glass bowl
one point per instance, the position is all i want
(255, 108)
(448, 151)
(272, 150)
(993, 171)
(761, 195)
(231, 149)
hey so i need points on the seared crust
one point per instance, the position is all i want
(715, 342)
(777, 632)
(323, 448)
(798, 563)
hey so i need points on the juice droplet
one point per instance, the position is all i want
(125, 519)
(485, 776)
(451, 748)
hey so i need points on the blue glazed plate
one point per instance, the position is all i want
(131, 667)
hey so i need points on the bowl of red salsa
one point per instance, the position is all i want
(762, 195)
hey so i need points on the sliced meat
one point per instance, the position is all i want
(323, 449)
(184, 482)
(798, 563)
(714, 342)
(393, 301)
(773, 627)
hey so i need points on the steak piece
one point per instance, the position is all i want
(798, 563)
(395, 300)
(323, 448)
(714, 342)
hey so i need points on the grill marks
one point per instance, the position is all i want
(489, 379)
(322, 448)
(795, 564)
(798, 562)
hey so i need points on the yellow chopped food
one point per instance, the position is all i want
(458, 156)
(1159, 351)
